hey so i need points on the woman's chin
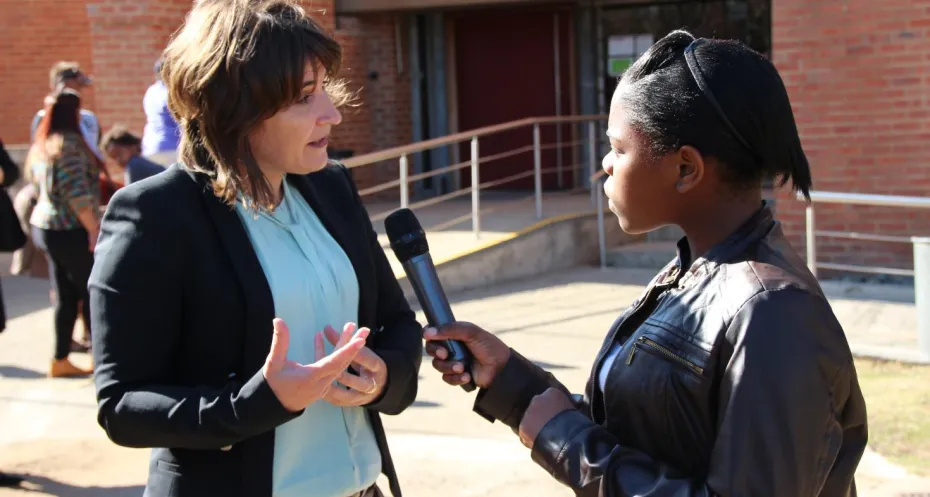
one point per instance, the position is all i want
(312, 165)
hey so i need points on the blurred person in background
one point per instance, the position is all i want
(12, 237)
(161, 136)
(68, 75)
(125, 165)
(65, 219)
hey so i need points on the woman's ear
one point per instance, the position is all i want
(690, 168)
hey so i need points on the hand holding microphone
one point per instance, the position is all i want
(489, 354)
(408, 241)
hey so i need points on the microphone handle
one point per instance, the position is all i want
(432, 298)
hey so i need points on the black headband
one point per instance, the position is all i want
(709, 95)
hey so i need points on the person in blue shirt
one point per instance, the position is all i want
(161, 136)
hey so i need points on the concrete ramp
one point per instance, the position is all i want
(553, 244)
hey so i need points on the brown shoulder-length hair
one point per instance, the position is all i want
(232, 65)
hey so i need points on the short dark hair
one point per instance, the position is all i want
(63, 71)
(121, 136)
(234, 64)
(742, 116)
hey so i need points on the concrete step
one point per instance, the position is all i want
(643, 255)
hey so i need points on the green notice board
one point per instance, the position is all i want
(616, 65)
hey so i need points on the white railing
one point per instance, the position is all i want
(921, 246)
(402, 154)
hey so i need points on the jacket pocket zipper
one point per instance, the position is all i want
(643, 342)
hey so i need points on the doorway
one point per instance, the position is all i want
(512, 64)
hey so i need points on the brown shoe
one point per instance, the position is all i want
(63, 368)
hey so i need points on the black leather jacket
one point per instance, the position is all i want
(734, 378)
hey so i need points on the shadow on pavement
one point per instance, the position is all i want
(18, 372)
(549, 365)
(23, 295)
(40, 485)
(578, 274)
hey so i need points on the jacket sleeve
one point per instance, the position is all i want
(136, 301)
(398, 339)
(507, 398)
(790, 411)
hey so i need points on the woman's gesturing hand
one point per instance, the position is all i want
(367, 385)
(298, 385)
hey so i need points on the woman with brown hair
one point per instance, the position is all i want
(199, 268)
(65, 220)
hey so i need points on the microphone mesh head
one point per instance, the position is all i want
(406, 235)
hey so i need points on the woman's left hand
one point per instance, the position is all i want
(542, 409)
(364, 387)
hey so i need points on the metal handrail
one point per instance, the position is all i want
(867, 199)
(921, 247)
(405, 178)
(396, 152)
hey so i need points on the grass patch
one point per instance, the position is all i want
(897, 400)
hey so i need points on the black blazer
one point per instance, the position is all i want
(181, 315)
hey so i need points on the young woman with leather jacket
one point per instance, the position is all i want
(731, 374)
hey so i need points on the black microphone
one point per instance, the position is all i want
(408, 241)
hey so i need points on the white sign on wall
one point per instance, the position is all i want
(623, 50)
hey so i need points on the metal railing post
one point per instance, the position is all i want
(475, 208)
(922, 294)
(404, 186)
(601, 229)
(811, 240)
(537, 169)
(592, 158)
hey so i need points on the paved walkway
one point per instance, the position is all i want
(49, 429)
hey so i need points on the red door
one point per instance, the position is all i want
(505, 71)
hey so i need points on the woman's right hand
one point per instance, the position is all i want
(489, 353)
(298, 385)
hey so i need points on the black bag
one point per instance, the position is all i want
(12, 237)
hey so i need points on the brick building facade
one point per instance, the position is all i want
(858, 72)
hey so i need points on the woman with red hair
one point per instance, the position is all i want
(66, 219)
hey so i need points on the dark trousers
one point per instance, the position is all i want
(69, 263)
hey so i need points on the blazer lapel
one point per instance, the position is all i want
(259, 303)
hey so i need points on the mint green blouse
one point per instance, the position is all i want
(328, 451)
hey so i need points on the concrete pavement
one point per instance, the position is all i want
(48, 428)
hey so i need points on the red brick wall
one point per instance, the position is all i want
(858, 73)
(382, 118)
(34, 35)
(117, 41)
(127, 37)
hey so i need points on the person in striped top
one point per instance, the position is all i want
(66, 219)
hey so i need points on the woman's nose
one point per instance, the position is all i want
(608, 165)
(331, 115)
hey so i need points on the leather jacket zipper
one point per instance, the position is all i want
(644, 342)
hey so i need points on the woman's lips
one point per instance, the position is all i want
(321, 143)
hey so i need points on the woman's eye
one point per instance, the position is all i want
(305, 99)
